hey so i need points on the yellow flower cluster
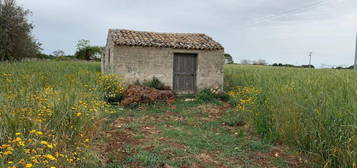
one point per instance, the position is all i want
(91, 108)
(42, 104)
(111, 84)
(30, 150)
(47, 116)
(37, 149)
(244, 96)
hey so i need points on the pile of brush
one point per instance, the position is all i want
(138, 94)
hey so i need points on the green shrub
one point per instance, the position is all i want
(212, 95)
(206, 96)
(154, 83)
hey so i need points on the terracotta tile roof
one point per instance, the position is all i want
(166, 40)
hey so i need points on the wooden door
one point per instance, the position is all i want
(185, 67)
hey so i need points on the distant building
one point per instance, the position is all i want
(186, 62)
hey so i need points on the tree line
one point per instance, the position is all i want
(84, 51)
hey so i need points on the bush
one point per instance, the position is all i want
(205, 96)
(111, 86)
(213, 95)
(155, 83)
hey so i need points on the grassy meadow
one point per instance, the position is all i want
(49, 112)
(53, 114)
(314, 111)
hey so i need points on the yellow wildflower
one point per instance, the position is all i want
(8, 153)
(29, 165)
(10, 148)
(44, 143)
(35, 161)
(50, 146)
(21, 143)
(39, 133)
(49, 156)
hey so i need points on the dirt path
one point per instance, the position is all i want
(187, 135)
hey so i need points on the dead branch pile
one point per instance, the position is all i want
(138, 94)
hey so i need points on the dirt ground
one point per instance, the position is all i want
(188, 135)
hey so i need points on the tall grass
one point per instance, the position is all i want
(49, 113)
(314, 111)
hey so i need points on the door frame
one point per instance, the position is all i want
(195, 76)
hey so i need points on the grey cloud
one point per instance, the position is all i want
(275, 30)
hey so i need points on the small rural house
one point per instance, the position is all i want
(186, 62)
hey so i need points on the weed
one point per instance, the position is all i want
(155, 83)
(232, 118)
(211, 96)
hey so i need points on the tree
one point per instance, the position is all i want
(16, 41)
(58, 53)
(82, 44)
(86, 51)
(229, 58)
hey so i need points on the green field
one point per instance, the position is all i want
(49, 112)
(52, 114)
(314, 111)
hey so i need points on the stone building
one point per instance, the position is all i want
(186, 62)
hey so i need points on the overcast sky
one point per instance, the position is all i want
(275, 30)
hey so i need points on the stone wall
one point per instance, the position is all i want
(143, 63)
(107, 56)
